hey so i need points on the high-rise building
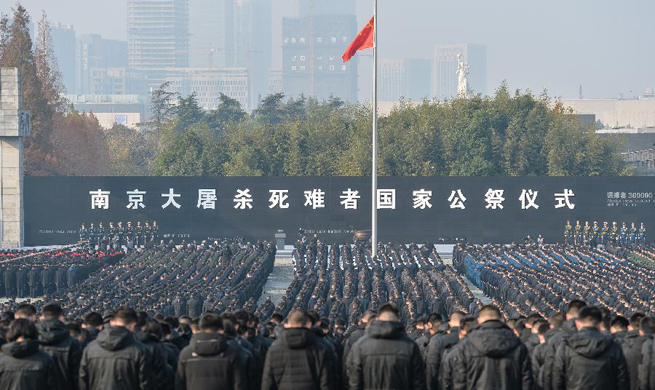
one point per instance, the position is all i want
(157, 37)
(311, 56)
(208, 84)
(275, 81)
(444, 66)
(248, 42)
(304, 7)
(209, 22)
(101, 67)
(404, 78)
(63, 44)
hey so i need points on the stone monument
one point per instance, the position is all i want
(462, 71)
(14, 125)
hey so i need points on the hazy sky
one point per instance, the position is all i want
(608, 46)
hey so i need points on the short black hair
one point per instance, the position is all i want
(298, 317)
(647, 325)
(557, 320)
(619, 321)
(153, 327)
(211, 321)
(388, 308)
(26, 310)
(591, 314)
(543, 328)
(575, 306)
(635, 319)
(22, 327)
(94, 319)
(491, 311)
(467, 323)
(52, 310)
(127, 315)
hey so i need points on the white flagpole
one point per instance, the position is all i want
(374, 171)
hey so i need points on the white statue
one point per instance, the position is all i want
(462, 82)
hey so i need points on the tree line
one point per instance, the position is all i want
(507, 134)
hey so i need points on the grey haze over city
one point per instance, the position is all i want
(605, 46)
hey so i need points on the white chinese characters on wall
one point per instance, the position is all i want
(316, 198)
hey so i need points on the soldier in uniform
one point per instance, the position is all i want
(10, 282)
(138, 235)
(147, 233)
(60, 279)
(84, 234)
(155, 231)
(33, 278)
(642, 234)
(46, 277)
(586, 234)
(595, 234)
(120, 232)
(100, 235)
(604, 234)
(633, 234)
(614, 234)
(578, 233)
(623, 234)
(92, 236)
(21, 283)
(568, 233)
(129, 236)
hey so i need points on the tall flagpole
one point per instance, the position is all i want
(374, 159)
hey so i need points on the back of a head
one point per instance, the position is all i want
(590, 316)
(277, 318)
(22, 327)
(635, 320)
(619, 323)
(574, 308)
(125, 316)
(94, 319)
(210, 322)
(298, 319)
(388, 312)
(467, 323)
(542, 329)
(25, 311)
(456, 318)
(153, 327)
(647, 325)
(52, 310)
(557, 320)
(489, 313)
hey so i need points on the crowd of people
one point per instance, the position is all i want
(343, 282)
(192, 317)
(594, 234)
(35, 273)
(523, 280)
(116, 237)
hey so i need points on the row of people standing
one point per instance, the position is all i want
(119, 236)
(606, 235)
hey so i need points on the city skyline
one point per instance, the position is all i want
(558, 48)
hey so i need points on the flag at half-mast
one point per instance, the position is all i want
(363, 40)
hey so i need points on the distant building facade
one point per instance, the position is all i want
(127, 110)
(208, 25)
(444, 65)
(617, 113)
(275, 78)
(157, 37)
(321, 74)
(208, 84)
(403, 78)
(64, 48)
(101, 66)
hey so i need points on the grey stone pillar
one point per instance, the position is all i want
(14, 125)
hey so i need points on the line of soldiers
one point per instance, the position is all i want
(118, 236)
(49, 272)
(594, 235)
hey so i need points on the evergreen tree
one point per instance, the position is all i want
(17, 52)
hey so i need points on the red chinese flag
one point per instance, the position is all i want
(363, 40)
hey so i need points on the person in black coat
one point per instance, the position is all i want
(296, 360)
(590, 360)
(631, 347)
(56, 341)
(646, 370)
(492, 357)
(150, 335)
(386, 358)
(210, 362)
(115, 359)
(22, 365)
(438, 344)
